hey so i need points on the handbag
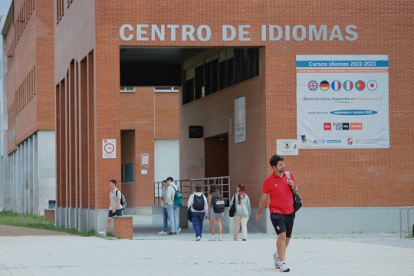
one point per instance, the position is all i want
(232, 209)
(189, 216)
(297, 200)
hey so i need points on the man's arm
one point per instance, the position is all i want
(262, 204)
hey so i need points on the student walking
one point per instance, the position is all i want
(282, 212)
(164, 208)
(243, 210)
(197, 203)
(213, 194)
(115, 207)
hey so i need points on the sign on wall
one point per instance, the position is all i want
(108, 148)
(286, 147)
(342, 101)
(240, 120)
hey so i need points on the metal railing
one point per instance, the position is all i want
(408, 208)
(187, 187)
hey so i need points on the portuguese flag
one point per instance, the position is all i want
(360, 85)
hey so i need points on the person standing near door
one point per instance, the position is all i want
(174, 187)
(164, 208)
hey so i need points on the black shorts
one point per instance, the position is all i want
(118, 213)
(283, 223)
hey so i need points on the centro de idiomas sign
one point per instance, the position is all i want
(153, 32)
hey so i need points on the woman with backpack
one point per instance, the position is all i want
(197, 203)
(243, 210)
(215, 209)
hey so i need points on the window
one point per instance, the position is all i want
(166, 89)
(222, 70)
(127, 89)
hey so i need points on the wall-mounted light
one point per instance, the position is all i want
(20, 21)
(10, 56)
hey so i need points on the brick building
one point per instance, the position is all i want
(245, 71)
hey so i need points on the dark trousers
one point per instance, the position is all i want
(197, 220)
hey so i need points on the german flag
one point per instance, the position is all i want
(324, 85)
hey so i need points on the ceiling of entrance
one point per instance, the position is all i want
(157, 54)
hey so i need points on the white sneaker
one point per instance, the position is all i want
(276, 260)
(179, 230)
(102, 233)
(213, 239)
(284, 267)
(219, 239)
(198, 238)
(162, 233)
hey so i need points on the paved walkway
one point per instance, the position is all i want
(181, 255)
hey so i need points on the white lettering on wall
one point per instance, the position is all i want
(241, 33)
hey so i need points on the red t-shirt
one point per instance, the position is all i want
(281, 198)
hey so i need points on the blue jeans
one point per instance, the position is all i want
(176, 223)
(171, 216)
(165, 218)
(197, 220)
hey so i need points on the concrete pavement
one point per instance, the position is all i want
(149, 254)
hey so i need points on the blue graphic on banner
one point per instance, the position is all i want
(354, 112)
(341, 63)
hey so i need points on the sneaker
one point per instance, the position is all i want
(219, 239)
(235, 239)
(213, 239)
(170, 233)
(102, 233)
(162, 233)
(198, 238)
(244, 240)
(276, 260)
(284, 267)
(179, 230)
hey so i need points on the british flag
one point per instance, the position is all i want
(312, 85)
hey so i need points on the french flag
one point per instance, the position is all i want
(336, 85)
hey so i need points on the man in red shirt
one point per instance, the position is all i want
(279, 186)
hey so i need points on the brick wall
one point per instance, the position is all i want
(123, 227)
(363, 177)
(50, 215)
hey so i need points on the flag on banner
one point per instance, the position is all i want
(360, 85)
(324, 85)
(336, 85)
(348, 85)
(372, 85)
(312, 85)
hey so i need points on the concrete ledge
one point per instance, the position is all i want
(123, 227)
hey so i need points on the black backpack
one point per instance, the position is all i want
(123, 200)
(198, 203)
(218, 204)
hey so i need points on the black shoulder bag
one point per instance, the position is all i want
(232, 209)
(297, 201)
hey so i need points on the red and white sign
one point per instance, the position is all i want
(109, 148)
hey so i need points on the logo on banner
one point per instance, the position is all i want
(336, 85)
(324, 85)
(348, 85)
(372, 85)
(327, 126)
(360, 85)
(312, 85)
(350, 141)
(338, 126)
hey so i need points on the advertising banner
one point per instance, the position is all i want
(342, 101)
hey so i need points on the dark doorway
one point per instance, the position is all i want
(216, 152)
